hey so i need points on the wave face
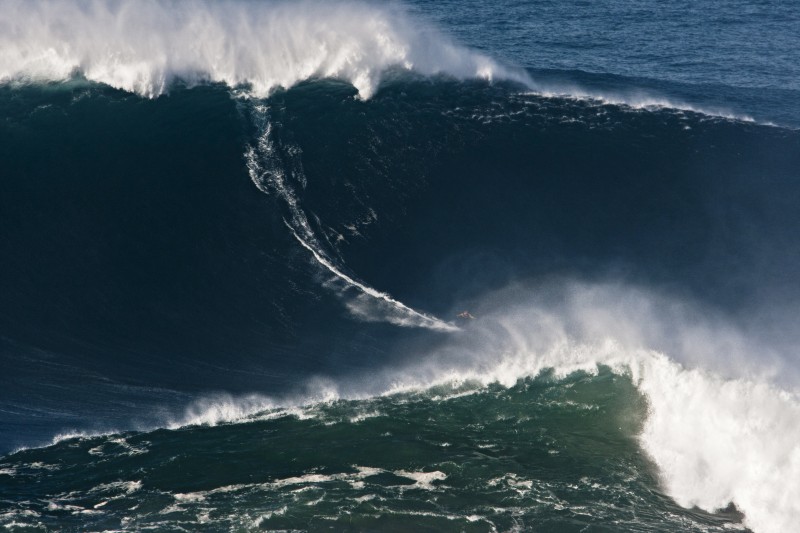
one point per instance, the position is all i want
(233, 269)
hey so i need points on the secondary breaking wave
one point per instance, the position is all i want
(716, 440)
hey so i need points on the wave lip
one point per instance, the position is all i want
(144, 46)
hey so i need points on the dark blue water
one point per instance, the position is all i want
(738, 55)
(250, 251)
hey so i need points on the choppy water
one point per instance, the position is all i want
(547, 454)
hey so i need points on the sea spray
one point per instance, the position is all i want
(144, 46)
(715, 440)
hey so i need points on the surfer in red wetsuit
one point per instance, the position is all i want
(465, 315)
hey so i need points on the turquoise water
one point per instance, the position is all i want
(546, 454)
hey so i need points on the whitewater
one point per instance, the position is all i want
(694, 378)
(260, 45)
(716, 440)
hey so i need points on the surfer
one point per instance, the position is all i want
(466, 315)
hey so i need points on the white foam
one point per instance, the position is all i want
(718, 441)
(360, 417)
(43, 466)
(221, 408)
(190, 497)
(637, 99)
(130, 450)
(304, 480)
(378, 306)
(257, 523)
(80, 435)
(718, 426)
(313, 478)
(422, 480)
(143, 45)
(76, 435)
(53, 506)
(122, 487)
(27, 513)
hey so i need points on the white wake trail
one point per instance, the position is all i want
(272, 173)
(403, 316)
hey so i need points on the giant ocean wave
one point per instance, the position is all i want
(218, 214)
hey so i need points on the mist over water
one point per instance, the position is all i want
(241, 234)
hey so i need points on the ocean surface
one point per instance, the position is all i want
(446, 265)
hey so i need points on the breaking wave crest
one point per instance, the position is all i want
(719, 436)
(719, 431)
(144, 46)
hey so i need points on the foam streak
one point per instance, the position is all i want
(412, 317)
